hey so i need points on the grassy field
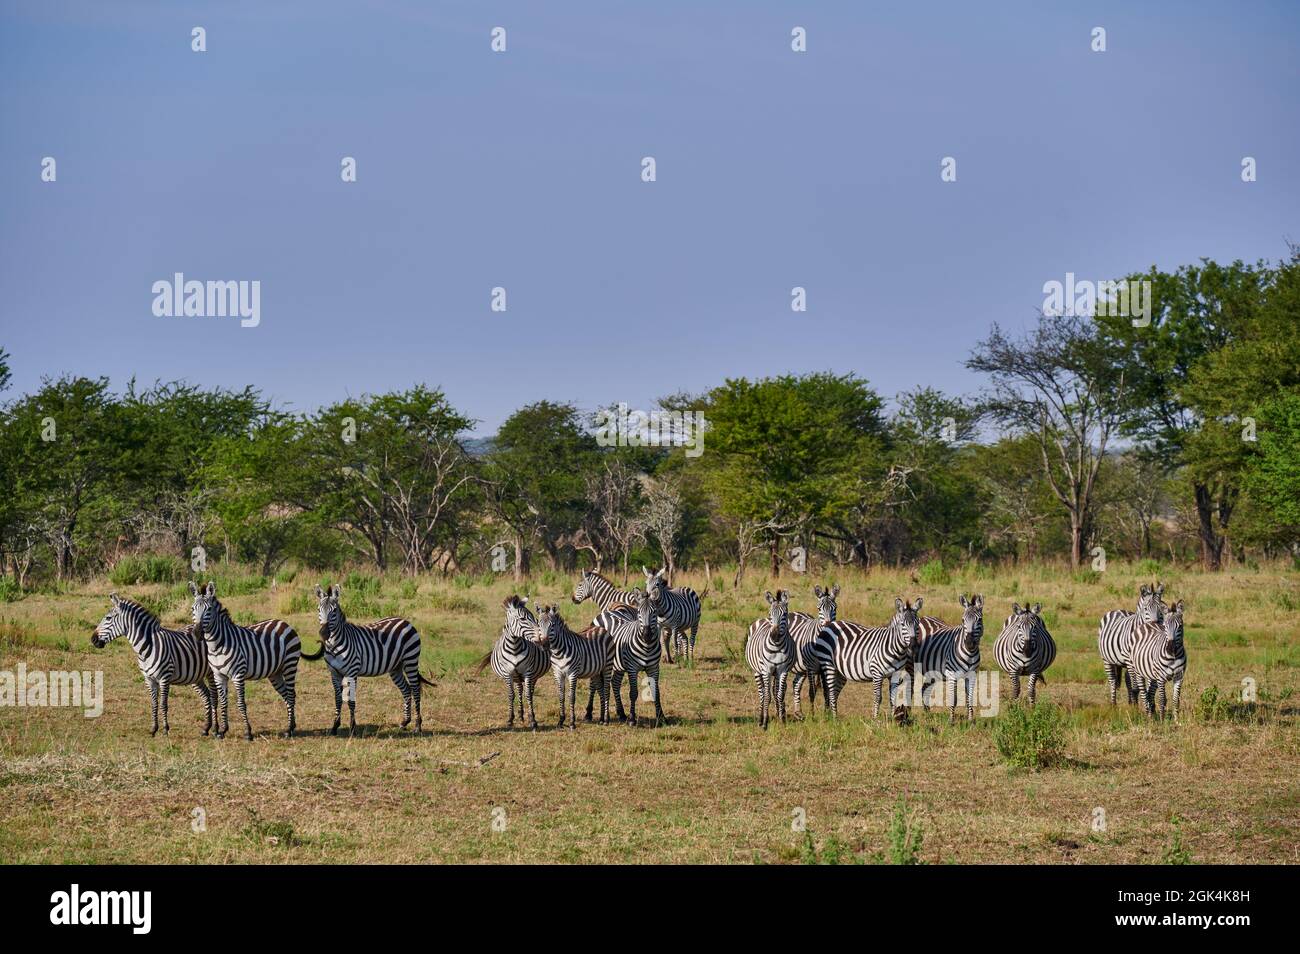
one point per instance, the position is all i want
(1222, 785)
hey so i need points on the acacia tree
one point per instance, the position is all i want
(1062, 383)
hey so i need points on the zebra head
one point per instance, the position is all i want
(826, 604)
(1150, 605)
(1173, 624)
(111, 626)
(654, 584)
(905, 621)
(972, 623)
(519, 618)
(778, 613)
(1024, 625)
(646, 619)
(206, 609)
(328, 611)
(548, 622)
(584, 590)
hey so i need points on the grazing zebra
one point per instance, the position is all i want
(517, 658)
(952, 652)
(167, 657)
(574, 656)
(771, 652)
(1025, 647)
(849, 651)
(1115, 637)
(389, 646)
(635, 631)
(804, 630)
(265, 650)
(1158, 656)
(678, 610)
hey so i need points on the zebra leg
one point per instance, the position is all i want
(560, 686)
(1161, 684)
(831, 687)
(1033, 684)
(337, 678)
(206, 691)
(1112, 680)
(1178, 691)
(950, 692)
(606, 678)
(653, 676)
(573, 703)
(780, 694)
(762, 700)
(399, 681)
(280, 682)
(516, 678)
(970, 697)
(796, 687)
(510, 692)
(223, 700)
(666, 641)
(242, 702)
(527, 687)
(413, 680)
(618, 695)
(153, 705)
(1015, 686)
(163, 689)
(350, 683)
(877, 684)
(1132, 686)
(591, 700)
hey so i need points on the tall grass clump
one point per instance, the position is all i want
(1031, 737)
(139, 568)
(934, 573)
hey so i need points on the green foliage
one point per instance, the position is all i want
(1176, 853)
(905, 835)
(10, 591)
(134, 569)
(833, 851)
(1031, 737)
(934, 573)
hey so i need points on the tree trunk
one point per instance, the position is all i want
(1076, 544)
(519, 559)
(776, 559)
(1211, 542)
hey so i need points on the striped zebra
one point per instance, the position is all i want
(849, 651)
(387, 647)
(770, 652)
(574, 656)
(804, 630)
(606, 595)
(1115, 637)
(1158, 656)
(1025, 647)
(678, 610)
(637, 649)
(951, 652)
(265, 650)
(167, 657)
(517, 658)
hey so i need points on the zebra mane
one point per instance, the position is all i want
(138, 612)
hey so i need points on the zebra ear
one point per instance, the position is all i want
(817, 592)
(979, 601)
(1015, 608)
(1178, 607)
(115, 598)
(768, 596)
(1160, 590)
(919, 601)
(210, 589)
(1038, 608)
(1145, 591)
(964, 602)
(194, 590)
(336, 591)
(320, 594)
(835, 590)
(898, 604)
(647, 573)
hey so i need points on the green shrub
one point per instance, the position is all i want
(1031, 737)
(147, 568)
(1148, 567)
(9, 590)
(360, 584)
(904, 835)
(1176, 853)
(934, 573)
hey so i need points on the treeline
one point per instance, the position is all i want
(1178, 439)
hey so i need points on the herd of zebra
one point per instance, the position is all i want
(631, 633)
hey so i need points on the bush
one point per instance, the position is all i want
(934, 573)
(9, 590)
(1147, 567)
(148, 568)
(1031, 737)
(904, 836)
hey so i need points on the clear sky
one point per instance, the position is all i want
(522, 169)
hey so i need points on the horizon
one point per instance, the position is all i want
(522, 169)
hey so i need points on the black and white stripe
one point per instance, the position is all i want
(1025, 648)
(850, 652)
(804, 630)
(951, 653)
(602, 591)
(517, 658)
(265, 650)
(387, 647)
(770, 652)
(678, 610)
(1158, 656)
(167, 657)
(574, 656)
(1115, 638)
(635, 632)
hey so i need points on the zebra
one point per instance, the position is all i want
(1158, 656)
(1025, 647)
(952, 652)
(771, 652)
(166, 657)
(265, 650)
(804, 630)
(678, 610)
(574, 656)
(637, 648)
(1115, 637)
(849, 651)
(389, 646)
(517, 658)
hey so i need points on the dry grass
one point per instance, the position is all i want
(709, 787)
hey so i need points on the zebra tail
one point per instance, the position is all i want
(482, 664)
(317, 655)
(434, 684)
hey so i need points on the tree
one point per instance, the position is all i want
(1063, 384)
(613, 522)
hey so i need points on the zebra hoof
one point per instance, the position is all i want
(248, 737)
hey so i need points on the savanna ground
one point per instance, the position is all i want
(1222, 785)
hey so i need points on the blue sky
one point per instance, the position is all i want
(522, 169)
